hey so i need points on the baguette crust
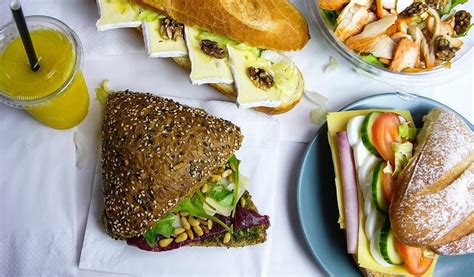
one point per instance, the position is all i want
(433, 204)
(230, 90)
(274, 24)
(156, 152)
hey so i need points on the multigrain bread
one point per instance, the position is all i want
(230, 91)
(156, 152)
(433, 204)
(275, 24)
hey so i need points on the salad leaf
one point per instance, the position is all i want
(454, 3)
(330, 16)
(372, 60)
(163, 227)
(245, 47)
(148, 15)
(217, 38)
(102, 92)
(234, 165)
(222, 195)
(466, 32)
(407, 132)
(403, 152)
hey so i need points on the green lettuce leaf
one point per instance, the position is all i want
(234, 165)
(330, 16)
(102, 92)
(217, 38)
(454, 3)
(407, 132)
(163, 227)
(403, 153)
(372, 60)
(222, 195)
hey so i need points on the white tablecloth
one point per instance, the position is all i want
(128, 67)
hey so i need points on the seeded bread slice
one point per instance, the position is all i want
(155, 153)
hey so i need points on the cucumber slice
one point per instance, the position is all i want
(387, 245)
(366, 132)
(378, 198)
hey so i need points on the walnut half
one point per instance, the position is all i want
(171, 29)
(213, 49)
(260, 78)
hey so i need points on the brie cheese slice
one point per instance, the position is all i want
(248, 95)
(159, 47)
(117, 14)
(204, 68)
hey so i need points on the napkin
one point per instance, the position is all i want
(37, 197)
(259, 153)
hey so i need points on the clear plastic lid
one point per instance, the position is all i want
(9, 33)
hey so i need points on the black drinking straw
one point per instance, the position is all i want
(24, 34)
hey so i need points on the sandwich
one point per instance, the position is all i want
(404, 195)
(236, 47)
(171, 177)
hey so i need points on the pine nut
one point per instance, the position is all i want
(165, 242)
(198, 230)
(178, 231)
(242, 202)
(182, 237)
(205, 230)
(185, 223)
(220, 170)
(214, 178)
(226, 238)
(205, 188)
(203, 222)
(192, 221)
(226, 173)
(209, 224)
(184, 213)
(231, 178)
(190, 234)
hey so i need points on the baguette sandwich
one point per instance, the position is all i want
(403, 197)
(234, 46)
(171, 177)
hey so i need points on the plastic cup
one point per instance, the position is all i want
(56, 95)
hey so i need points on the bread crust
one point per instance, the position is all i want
(155, 153)
(230, 90)
(433, 202)
(274, 24)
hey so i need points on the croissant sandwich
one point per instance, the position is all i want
(234, 46)
(171, 177)
(404, 195)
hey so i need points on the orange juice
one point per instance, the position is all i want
(56, 94)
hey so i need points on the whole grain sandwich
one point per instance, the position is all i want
(405, 195)
(234, 46)
(171, 177)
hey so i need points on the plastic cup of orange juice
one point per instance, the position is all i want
(56, 94)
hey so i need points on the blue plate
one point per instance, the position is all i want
(316, 195)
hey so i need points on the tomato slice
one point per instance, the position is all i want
(384, 133)
(415, 262)
(387, 186)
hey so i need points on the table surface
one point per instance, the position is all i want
(133, 70)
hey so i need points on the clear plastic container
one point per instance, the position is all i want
(401, 81)
(56, 94)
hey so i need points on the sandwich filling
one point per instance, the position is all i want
(382, 143)
(218, 207)
(262, 77)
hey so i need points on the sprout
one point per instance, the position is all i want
(462, 21)
(415, 9)
(443, 49)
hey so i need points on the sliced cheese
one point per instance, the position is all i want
(249, 95)
(159, 47)
(117, 14)
(204, 68)
(337, 121)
